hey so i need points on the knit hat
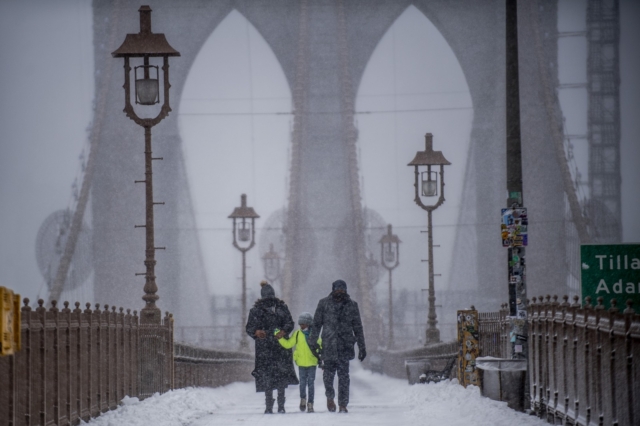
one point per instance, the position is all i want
(339, 285)
(266, 291)
(305, 318)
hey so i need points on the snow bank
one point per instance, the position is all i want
(178, 407)
(375, 400)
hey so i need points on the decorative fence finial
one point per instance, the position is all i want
(629, 310)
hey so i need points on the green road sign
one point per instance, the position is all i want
(611, 271)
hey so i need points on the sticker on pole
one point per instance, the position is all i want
(513, 228)
(610, 271)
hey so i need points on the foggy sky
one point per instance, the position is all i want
(46, 65)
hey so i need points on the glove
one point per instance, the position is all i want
(362, 354)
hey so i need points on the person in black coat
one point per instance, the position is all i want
(274, 364)
(339, 319)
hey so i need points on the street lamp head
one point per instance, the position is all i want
(245, 230)
(426, 179)
(243, 212)
(372, 270)
(146, 45)
(390, 249)
(271, 260)
(429, 157)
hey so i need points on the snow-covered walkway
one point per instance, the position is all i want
(375, 400)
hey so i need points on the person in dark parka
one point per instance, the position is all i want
(269, 320)
(339, 319)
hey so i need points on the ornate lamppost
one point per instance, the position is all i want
(146, 45)
(390, 259)
(271, 262)
(244, 238)
(426, 185)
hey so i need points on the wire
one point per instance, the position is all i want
(390, 111)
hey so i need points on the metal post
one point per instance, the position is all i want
(391, 343)
(433, 334)
(516, 285)
(150, 314)
(244, 344)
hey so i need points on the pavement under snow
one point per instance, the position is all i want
(375, 400)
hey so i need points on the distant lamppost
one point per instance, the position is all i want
(390, 259)
(426, 185)
(271, 261)
(146, 45)
(244, 238)
(372, 270)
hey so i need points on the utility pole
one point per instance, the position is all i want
(514, 217)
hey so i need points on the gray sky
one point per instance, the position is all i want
(46, 65)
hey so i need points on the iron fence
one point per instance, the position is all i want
(74, 364)
(581, 360)
(493, 332)
(209, 368)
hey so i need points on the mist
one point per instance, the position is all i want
(235, 121)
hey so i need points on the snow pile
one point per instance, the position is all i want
(450, 404)
(376, 400)
(178, 407)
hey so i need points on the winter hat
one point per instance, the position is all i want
(266, 290)
(339, 285)
(305, 318)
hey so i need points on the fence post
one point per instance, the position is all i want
(633, 368)
(23, 370)
(65, 365)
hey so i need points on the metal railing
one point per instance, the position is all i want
(581, 360)
(493, 330)
(76, 364)
(394, 363)
(209, 368)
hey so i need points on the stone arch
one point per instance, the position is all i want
(474, 30)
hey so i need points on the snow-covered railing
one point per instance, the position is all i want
(209, 368)
(583, 361)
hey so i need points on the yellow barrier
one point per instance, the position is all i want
(469, 348)
(9, 322)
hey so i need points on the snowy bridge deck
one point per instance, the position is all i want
(375, 400)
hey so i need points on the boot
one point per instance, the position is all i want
(331, 406)
(269, 405)
(281, 400)
(343, 409)
(310, 407)
(303, 404)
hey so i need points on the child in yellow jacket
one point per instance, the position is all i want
(306, 361)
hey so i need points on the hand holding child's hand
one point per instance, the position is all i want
(280, 334)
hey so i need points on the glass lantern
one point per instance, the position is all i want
(244, 232)
(429, 183)
(147, 88)
(389, 255)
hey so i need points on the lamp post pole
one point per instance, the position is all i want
(429, 179)
(147, 45)
(244, 238)
(390, 259)
(433, 334)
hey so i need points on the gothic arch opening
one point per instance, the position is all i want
(234, 121)
(414, 84)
